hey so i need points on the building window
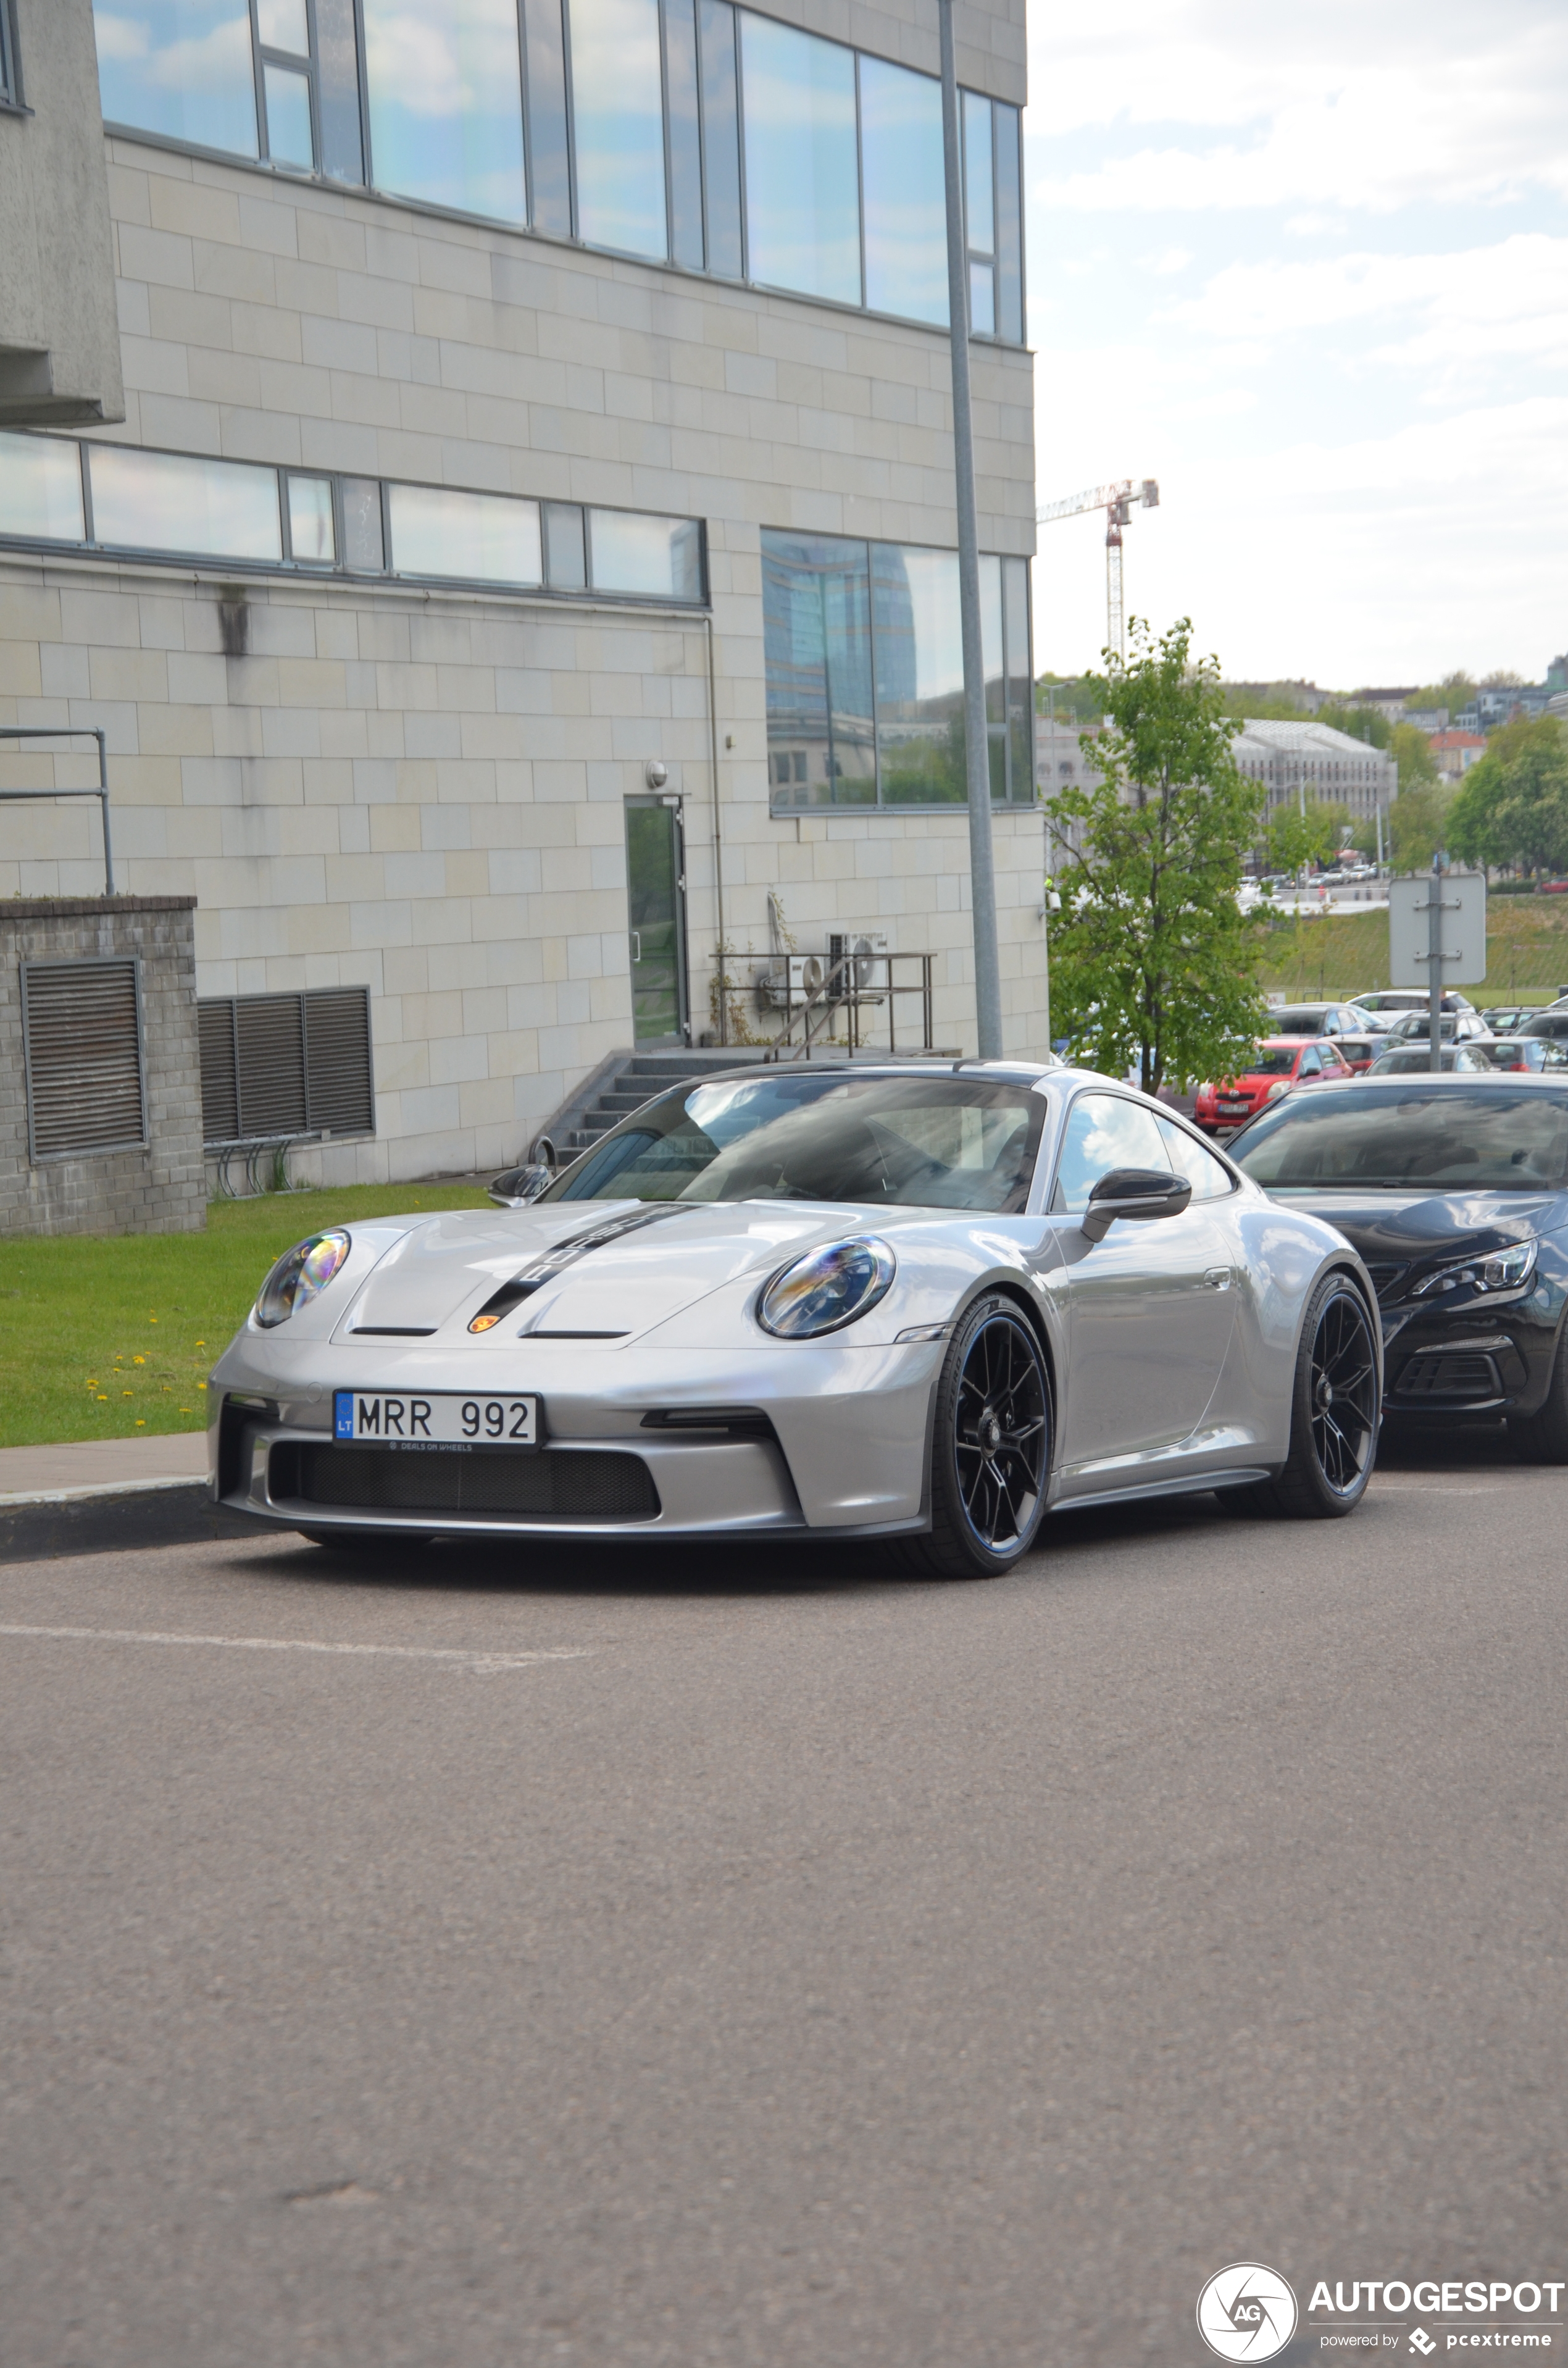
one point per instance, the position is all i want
(228, 73)
(286, 1064)
(444, 80)
(617, 120)
(81, 1053)
(864, 673)
(166, 501)
(619, 123)
(802, 182)
(180, 505)
(902, 173)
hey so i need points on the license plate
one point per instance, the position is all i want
(1232, 1109)
(435, 1418)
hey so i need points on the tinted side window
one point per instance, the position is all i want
(1206, 1175)
(1103, 1131)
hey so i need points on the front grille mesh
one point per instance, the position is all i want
(1435, 1376)
(561, 1485)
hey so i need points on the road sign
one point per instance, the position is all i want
(1463, 918)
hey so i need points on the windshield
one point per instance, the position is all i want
(1271, 1061)
(1298, 1023)
(1439, 1139)
(930, 1142)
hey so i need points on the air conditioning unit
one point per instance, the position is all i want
(859, 952)
(792, 980)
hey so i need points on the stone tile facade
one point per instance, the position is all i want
(161, 1189)
(422, 792)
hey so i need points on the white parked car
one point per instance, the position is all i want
(926, 1302)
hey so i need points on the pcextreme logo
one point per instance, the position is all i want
(1246, 2312)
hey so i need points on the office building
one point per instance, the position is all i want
(509, 541)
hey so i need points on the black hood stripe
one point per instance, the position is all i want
(544, 1268)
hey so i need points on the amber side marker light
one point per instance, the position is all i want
(484, 1323)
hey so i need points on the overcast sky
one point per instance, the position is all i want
(1308, 268)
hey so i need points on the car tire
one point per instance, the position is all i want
(1325, 1474)
(990, 1447)
(1543, 1436)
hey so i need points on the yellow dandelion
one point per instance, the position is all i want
(128, 1394)
(103, 1398)
(139, 1361)
(202, 1386)
(140, 1422)
(187, 1409)
(201, 1344)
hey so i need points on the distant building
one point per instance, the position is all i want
(1426, 719)
(1488, 709)
(1316, 761)
(1059, 762)
(1387, 702)
(1455, 752)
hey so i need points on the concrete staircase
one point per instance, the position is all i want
(623, 1083)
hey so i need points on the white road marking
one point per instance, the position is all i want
(469, 1657)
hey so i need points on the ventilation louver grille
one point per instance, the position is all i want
(286, 1065)
(82, 1029)
(571, 1485)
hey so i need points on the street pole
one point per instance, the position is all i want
(1434, 965)
(977, 751)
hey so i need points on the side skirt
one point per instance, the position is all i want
(1241, 1475)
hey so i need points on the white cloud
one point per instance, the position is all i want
(1479, 305)
(121, 37)
(1367, 105)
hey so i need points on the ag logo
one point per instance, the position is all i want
(1246, 2312)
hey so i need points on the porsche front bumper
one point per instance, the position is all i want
(829, 1440)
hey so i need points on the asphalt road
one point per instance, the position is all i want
(793, 1965)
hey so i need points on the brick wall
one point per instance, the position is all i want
(160, 1189)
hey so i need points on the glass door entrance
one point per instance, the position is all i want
(655, 888)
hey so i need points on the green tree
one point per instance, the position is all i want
(1413, 752)
(1417, 826)
(1311, 835)
(1072, 699)
(1152, 961)
(1368, 724)
(1455, 691)
(1513, 806)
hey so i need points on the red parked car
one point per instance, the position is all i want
(1279, 1067)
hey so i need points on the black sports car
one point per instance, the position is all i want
(1454, 1189)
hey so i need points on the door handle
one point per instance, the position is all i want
(636, 938)
(1218, 1277)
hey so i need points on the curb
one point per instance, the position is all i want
(114, 1516)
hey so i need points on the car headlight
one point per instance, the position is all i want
(1509, 1270)
(298, 1276)
(827, 1288)
(1281, 1086)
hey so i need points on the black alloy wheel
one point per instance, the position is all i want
(990, 1447)
(1343, 1384)
(1334, 1412)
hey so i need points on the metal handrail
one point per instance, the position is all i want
(69, 732)
(842, 992)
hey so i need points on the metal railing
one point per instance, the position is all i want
(851, 988)
(66, 732)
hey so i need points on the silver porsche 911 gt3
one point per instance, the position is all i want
(925, 1303)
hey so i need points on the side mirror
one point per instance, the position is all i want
(517, 1186)
(1137, 1193)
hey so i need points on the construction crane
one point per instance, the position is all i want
(1116, 501)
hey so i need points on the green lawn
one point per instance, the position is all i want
(1526, 952)
(104, 1337)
